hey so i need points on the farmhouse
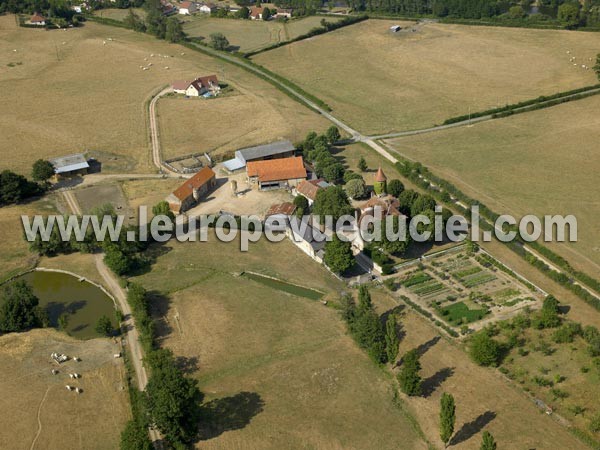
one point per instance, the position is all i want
(66, 166)
(283, 13)
(200, 86)
(187, 8)
(207, 8)
(256, 12)
(304, 238)
(276, 173)
(190, 192)
(37, 19)
(309, 188)
(279, 149)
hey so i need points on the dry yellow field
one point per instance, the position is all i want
(220, 126)
(542, 162)
(278, 371)
(379, 81)
(251, 35)
(38, 412)
(72, 92)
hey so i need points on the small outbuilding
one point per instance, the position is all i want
(187, 8)
(70, 165)
(189, 193)
(309, 188)
(37, 19)
(395, 28)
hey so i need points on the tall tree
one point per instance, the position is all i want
(218, 41)
(597, 66)
(333, 134)
(42, 170)
(174, 30)
(447, 417)
(395, 187)
(391, 339)
(484, 350)
(19, 310)
(332, 201)
(362, 164)
(338, 255)
(409, 378)
(487, 441)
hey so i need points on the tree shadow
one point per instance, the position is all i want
(430, 384)
(187, 365)
(56, 309)
(228, 414)
(423, 348)
(159, 309)
(469, 429)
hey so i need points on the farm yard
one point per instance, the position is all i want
(73, 107)
(464, 290)
(49, 416)
(410, 80)
(299, 368)
(511, 165)
(251, 35)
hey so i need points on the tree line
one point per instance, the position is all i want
(15, 188)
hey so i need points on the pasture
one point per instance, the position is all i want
(41, 413)
(378, 81)
(93, 94)
(517, 166)
(250, 35)
(222, 125)
(484, 399)
(278, 370)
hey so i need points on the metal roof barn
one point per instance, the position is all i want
(69, 163)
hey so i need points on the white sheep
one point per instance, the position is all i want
(69, 388)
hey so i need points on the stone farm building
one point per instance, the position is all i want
(276, 173)
(189, 193)
(309, 188)
(281, 210)
(279, 149)
(200, 86)
(66, 166)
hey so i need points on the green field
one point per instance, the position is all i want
(542, 162)
(250, 35)
(378, 81)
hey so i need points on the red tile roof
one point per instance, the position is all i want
(309, 189)
(37, 18)
(380, 176)
(185, 5)
(285, 208)
(277, 169)
(255, 11)
(181, 85)
(198, 180)
(205, 82)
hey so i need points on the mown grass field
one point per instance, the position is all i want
(278, 371)
(378, 81)
(542, 162)
(250, 35)
(90, 95)
(485, 400)
(118, 14)
(220, 126)
(36, 405)
(14, 252)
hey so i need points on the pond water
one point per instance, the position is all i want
(285, 287)
(62, 293)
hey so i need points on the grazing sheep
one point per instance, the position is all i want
(78, 390)
(54, 371)
(71, 376)
(69, 388)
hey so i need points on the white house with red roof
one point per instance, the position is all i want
(197, 87)
(187, 8)
(37, 19)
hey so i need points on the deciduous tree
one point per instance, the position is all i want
(409, 378)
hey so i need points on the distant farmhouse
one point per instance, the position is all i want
(279, 149)
(189, 193)
(67, 166)
(276, 173)
(207, 8)
(200, 86)
(37, 19)
(283, 13)
(187, 8)
(256, 12)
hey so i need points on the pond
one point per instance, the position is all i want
(285, 287)
(62, 293)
